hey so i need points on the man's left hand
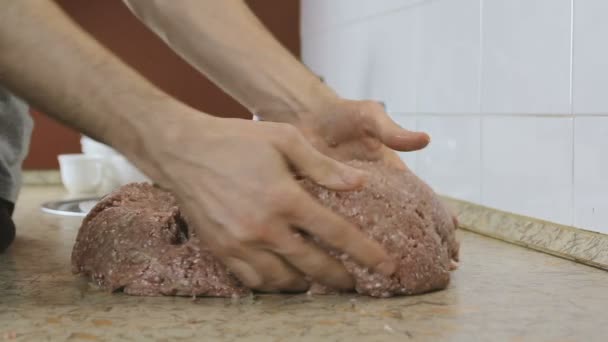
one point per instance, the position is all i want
(362, 130)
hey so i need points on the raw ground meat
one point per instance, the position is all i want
(136, 240)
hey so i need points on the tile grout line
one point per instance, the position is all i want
(417, 51)
(573, 170)
(573, 142)
(571, 76)
(480, 85)
(480, 68)
(417, 153)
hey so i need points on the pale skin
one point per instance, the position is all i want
(232, 177)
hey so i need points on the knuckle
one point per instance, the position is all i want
(253, 228)
(254, 232)
(371, 107)
(282, 196)
(293, 247)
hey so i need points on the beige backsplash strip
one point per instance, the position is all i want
(41, 177)
(567, 242)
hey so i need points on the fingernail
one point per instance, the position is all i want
(428, 137)
(386, 268)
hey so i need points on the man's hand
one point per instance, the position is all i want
(346, 130)
(233, 179)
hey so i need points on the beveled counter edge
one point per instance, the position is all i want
(41, 177)
(568, 242)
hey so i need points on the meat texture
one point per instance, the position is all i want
(137, 240)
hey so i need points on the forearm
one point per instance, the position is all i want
(225, 41)
(58, 68)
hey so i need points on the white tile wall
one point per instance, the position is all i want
(449, 53)
(341, 58)
(590, 69)
(451, 163)
(591, 173)
(526, 56)
(324, 15)
(527, 166)
(513, 93)
(392, 75)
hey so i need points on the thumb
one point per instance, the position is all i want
(398, 138)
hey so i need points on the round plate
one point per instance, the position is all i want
(75, 207)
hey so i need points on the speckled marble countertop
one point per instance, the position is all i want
(501, 292)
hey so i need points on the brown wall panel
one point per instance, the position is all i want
(111, 23)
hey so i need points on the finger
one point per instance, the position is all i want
(263, 271)
(318, 167)
(399, 138)
(311, 260)
(337, 232)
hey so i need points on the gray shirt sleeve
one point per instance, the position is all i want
(15, 132)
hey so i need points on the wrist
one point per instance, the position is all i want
(312, 96)
(150, 132)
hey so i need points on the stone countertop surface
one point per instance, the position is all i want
(501, 292)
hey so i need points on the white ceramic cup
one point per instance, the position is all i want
(81, 174)
(117, 169)
(94, 147)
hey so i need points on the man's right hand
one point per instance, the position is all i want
(233, 179)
